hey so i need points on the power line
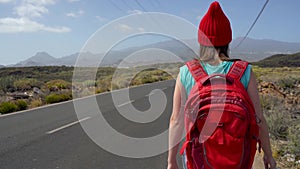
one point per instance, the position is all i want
(152, 4)
(126, 4)
(116, 6)
(140, 5)
(158, 3)
(156, 22)
(261, 11)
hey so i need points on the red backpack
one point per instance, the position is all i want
(220, 120)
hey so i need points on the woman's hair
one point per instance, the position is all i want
(208, 53)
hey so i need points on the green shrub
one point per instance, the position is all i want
(278, 122)
(287, 82)
(101, 90)
(265, 102)
(58, 84)
(6, 82)
(276, 116)
(89, 83)
(294, 138)
(21, 105)
(149, 76)
(148, 80)
(55, 98)
(7, 107)
(284, 126)
(27, 84)
(103, 85)
(36, 103)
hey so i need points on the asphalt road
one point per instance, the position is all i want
(52, 138)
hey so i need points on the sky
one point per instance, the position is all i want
(62, 27)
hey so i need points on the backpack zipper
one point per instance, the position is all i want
(205, 157)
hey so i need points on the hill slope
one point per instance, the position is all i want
(254, 50)
(280, 60)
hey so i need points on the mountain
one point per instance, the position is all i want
(39, 59)
(161, 52)
(280, 60)
(69, 60)
(258, 49)
(166, 51)
(143, 55)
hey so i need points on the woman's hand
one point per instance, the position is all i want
(269, 162)
(172, 165)
(252, 90)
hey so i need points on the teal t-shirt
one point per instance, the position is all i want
(188, 81)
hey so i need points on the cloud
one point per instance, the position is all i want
(127, 28)
(124, 28)
(140, 29)
(6, 1)
(40, 2)
(73, 1)
(136, 11)
(71, 14)
(75, 14)
(101, 19)
(33, 8)
(30, 10)
(13, 25)
(26, 11)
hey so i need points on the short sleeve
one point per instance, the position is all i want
(186, 79)
(182, 74)
(246, 76)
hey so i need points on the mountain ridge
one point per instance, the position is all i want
(280, 60)
(251, 50)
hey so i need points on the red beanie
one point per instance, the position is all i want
(214, 28)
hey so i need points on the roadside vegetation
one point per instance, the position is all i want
(31, 87)
(280, 99)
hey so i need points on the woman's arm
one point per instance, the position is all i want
(176, 124)
(263, 132)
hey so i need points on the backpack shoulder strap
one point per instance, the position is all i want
(237, 69)
(196, 69)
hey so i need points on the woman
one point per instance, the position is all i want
(214, 36)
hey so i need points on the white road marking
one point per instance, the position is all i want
(67, 125)
(149, 94)
(153, 92)
(131, 101)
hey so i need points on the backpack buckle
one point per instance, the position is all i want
(220, 124)
(192, 140)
